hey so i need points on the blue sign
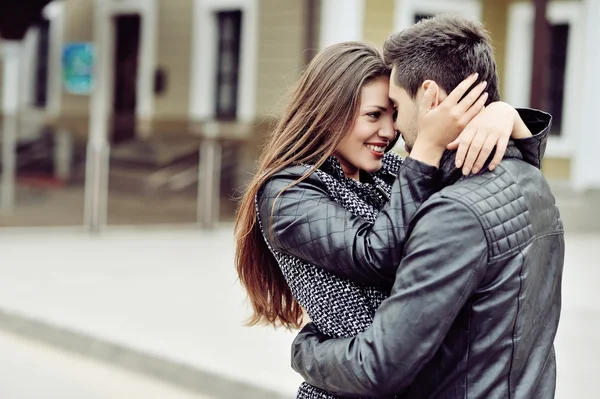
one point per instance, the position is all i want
(78, 67)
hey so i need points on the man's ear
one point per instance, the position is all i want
(436, 96)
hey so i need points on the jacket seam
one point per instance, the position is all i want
(473, 269)
(514, 332)
(512, 338)
(466, 395)
(491, 259)
(519, 248)
(472, 273)
(323, 378)
(486, 228)
(539, 149)
(480, 220)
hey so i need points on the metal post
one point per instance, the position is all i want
(11, 51)
(209, 177)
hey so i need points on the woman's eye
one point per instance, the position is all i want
(374, 115)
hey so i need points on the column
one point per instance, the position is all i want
(97, 158)
(11, 52)
(585, 166)
(55, 12)
(341, 21)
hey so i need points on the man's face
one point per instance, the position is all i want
(407, 119)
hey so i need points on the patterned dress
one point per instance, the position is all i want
(339, 307)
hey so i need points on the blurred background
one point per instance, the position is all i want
(128, 129)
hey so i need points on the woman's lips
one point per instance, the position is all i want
(378, 151)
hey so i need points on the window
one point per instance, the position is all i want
(555, 85)
(41, 66)
(562, 72)
(420, 16)
(229, 25)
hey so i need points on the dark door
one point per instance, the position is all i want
(557, 66)
(127, 40)
(230, 23)
(41, 68)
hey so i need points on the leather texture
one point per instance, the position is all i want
(306, 222)
(476, 297)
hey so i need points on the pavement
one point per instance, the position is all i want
(162, 302)
(33, 370)
(166, 303)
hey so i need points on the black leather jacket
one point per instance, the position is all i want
(476, 299)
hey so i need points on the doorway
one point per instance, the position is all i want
(40, 96)
(126, 62)
(229, 25)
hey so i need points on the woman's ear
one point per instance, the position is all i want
(436, 95)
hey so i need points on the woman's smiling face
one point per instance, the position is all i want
(373, 129)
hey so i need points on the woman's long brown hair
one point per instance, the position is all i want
(322, 111)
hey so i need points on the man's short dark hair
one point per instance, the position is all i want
(445, 49)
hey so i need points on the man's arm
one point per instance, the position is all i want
(445, 257)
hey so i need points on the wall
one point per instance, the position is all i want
(174, 56)
(280, 60)
(495, 19)
(379, 22)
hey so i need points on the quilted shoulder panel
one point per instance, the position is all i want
(498, 202)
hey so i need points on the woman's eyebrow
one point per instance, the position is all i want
(380, 107)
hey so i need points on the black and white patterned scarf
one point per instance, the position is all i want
(340, 308)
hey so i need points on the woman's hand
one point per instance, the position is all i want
(440, 124)
(491, 128)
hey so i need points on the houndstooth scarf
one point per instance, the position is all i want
(340, 308)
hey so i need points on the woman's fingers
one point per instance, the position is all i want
(484, 153)
(464, 142)
(454, 145)
(460, 90)
(467, 103)
(501, 146)
(475, 109)
(475, 147)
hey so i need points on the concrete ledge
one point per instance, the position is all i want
(193, 379)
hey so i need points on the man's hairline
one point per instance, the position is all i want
(394, 81)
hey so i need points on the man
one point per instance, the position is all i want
(476, 301)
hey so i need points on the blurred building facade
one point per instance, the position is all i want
(569, 73)
(166, 68)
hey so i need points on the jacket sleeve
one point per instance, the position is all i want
(533, 148)
(445, 258)
(304, 221)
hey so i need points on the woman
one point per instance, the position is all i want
(331, 203)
